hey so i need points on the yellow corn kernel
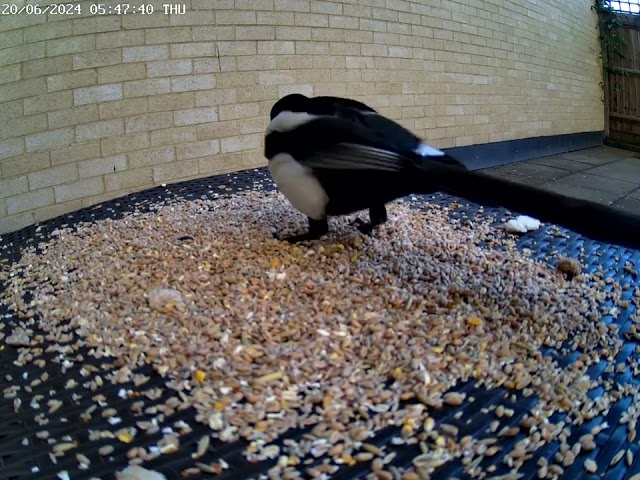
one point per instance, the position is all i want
(200, 376)
(125, 437)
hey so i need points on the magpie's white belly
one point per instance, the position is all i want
(300, 187)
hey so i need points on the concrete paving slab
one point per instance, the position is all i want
(584, 193)
(558, 161)
(625, 169)
(592, 156)
(532, 171)
(635, 194)
(607, 151)
(628, 204)
(512, 177)
(603, 174)
(597, 182)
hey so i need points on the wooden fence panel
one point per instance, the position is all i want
(623, 86)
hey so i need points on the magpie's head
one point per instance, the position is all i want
(294, 102)
(323, 105)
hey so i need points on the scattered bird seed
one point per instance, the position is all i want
(106, 450)
(488, 312)
(369, 447)
(136, 472)
(203, 444)
(18, 339)
(453, 398)
(63, 447)
(82, 459)
(617, 457)
(590, 465)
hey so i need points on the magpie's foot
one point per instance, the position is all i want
(317, 228)
(358, 222)
(366, 228)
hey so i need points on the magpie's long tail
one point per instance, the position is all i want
(596, 221)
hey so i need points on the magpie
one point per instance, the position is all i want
(295, 105)
(331, 156)
(334, 156)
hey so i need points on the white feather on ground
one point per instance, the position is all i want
(514, 226)
(522, 224)
(529, 223)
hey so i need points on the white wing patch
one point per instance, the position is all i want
(298, 184)
(425, 150)
(286, 121)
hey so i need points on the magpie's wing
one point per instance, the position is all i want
(389, 129)
(361, 113)
(350, 156)
(333, 143)
(392, 133)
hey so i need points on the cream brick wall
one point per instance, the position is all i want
(96, 106)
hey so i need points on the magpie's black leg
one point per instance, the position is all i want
(317, 228)
(377, 216)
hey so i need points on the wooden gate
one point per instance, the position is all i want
(622, 86)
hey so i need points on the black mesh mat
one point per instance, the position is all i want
(24, 455)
